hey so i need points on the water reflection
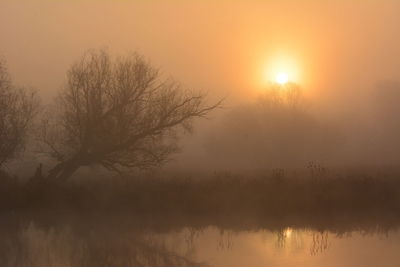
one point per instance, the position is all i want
(66, 245)
(319, 242)
(35, 246)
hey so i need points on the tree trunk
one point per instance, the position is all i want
(63, 171)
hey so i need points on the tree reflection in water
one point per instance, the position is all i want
(37, 247)
(42, 240)
(319, 242)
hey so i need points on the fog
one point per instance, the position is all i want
(346, 55)
(199, 133)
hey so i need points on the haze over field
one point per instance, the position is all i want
(343, 54)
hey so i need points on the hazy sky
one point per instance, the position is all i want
(336, 50)
(221, 46)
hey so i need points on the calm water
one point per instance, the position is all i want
(66, 244)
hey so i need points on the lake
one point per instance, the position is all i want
(63, 241)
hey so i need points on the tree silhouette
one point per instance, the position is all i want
(118, 113)
(278, 129)
(17, 109)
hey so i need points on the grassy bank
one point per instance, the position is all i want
(316, 198)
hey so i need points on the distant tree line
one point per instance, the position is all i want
(121, 114)
(276, 130)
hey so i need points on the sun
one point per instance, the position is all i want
(282, 78)
(281, 69)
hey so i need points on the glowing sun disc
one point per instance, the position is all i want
(282, 78)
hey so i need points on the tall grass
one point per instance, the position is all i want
(314, 197)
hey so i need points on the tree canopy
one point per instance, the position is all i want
(118, 113)
(17, 110)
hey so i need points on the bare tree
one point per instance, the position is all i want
(278, 97)
(119, 114)
(17, 109)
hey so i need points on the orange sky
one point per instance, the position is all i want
(220, 46)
